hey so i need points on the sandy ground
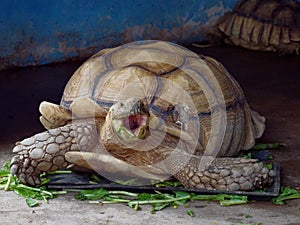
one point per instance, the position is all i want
(271, 84)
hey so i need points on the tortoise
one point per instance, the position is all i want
(265, 25)
(149, 110)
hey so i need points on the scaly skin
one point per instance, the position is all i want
(45, 151)
(231, 174)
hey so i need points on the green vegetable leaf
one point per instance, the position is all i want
(128, 182)
(95, 194)
(144, 196)
(30, 192)
(286, 193)
(5, 171)
(157, 200)
(233, 202)
(180, 194)
(268, 165)
(32, 202)
(95, 178)
(158, 207)
(219, 197)
(190, 213)
(168, 183)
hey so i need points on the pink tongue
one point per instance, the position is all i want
(135, 122)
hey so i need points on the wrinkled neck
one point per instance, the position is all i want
(108, 137)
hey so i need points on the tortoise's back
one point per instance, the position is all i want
(243, 125)
(172, 79)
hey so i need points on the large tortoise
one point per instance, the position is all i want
(265, 25)
(149, 110)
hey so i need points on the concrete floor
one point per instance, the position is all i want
(271, 85)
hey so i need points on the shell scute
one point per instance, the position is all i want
(176, 83)
(266, 25)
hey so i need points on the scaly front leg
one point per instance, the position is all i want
(45, 151)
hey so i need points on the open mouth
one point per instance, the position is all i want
(135, 124)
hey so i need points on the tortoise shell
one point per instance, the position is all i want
(267, 25)
(172, 79)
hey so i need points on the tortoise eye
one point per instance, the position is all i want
(135, 109)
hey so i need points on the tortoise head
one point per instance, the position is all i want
(129, 119)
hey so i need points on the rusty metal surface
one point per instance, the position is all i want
(42, 32)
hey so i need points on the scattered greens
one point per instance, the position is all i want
(157, 200)
(31, 194)
(261, 146)
(168, 183)
(245, 155)
(286, 193)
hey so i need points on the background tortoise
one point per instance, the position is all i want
(266, 25)
(150, 110)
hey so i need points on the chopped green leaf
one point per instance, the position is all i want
(37, 193)
(158, 207)
(243, 155)
(286, 193)
(233, 202)
(128, 182)
(95, 178)
(5, 171)
(95, 194)
(31, 202)
(268, 165)
(190, 213)
(168, 184)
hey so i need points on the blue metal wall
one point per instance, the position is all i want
(34, 32)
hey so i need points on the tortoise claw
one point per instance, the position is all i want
(25, 173)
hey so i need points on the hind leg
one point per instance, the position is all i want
(231, 174)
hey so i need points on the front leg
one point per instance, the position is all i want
(46, 151)
(231, 174)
